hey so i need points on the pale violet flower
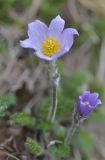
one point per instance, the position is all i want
(87, 102)
(50, 42)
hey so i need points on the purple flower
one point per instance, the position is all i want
(49, 42)
(87, 102)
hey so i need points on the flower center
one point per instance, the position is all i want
(50, 46)
(86, 103)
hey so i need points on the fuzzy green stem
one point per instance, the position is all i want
(73, 127)
(55, 83)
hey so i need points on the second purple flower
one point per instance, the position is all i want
(87, 102)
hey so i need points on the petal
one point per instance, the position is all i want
(37, 31)
(58, 54)
(87, 110)
(68, 38)
(28, 43)
(85, 96)
(56, 35)
(93, 98)
(42, 56)
(57, 24)
(80, 98)
(98, 102)
(83, 109)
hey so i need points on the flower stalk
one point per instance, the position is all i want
(55, 77)
(75, 124)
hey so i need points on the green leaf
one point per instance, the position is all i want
(5, 102)
(44, 125)
(33, 146)
(60, 132)
(61, 151)
(22, 118)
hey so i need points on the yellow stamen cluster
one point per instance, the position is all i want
(50, 46)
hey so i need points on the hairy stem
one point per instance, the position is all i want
(55, 83)
(73, 127)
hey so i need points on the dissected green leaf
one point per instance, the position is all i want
(5, 102)
(61, 151)
(22, 118)
(33, 146)
(44, 125)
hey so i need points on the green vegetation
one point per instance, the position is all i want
(33, 146)
(5, 102)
